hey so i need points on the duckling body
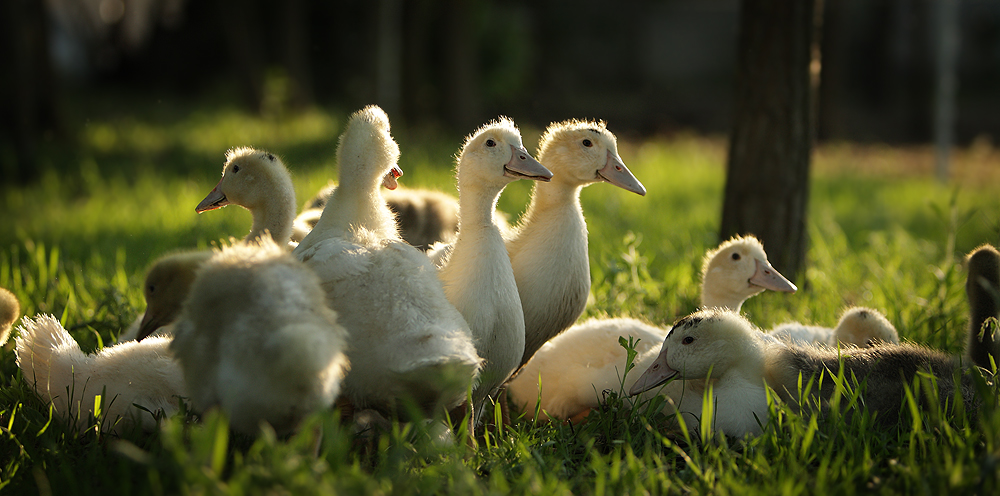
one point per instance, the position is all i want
(577, 365)
(10, 310)
(256, 338)
(983, 290)
(424, 217)
(548, 248)
(477, 275)
(406, 341)
(135, 380)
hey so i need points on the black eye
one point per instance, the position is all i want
(150, 288)
(736, 256)
(687, 340)
(587, 143)
(490, 143)
(236, 169)
(270, 157)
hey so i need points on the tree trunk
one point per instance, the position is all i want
(767, 182)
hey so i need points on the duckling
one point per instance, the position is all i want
(137, 382)
(983, 290)
(858, 326)
(406, 341)
(574, 367)
(719, 352)
(424, 216)
(256, 338)
(10, 310)
(726, 346)
(477, 274)
(165, 288)
(548, 248)
(259, 182)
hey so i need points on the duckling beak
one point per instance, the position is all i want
(615, 172)
(657, 373)
(523, 166)
(150, 323)
(389, 181)
(215, 199)
(768, 278)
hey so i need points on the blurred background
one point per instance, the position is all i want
(648, 67)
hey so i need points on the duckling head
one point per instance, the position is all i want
(584, 152)
(10, 310)
(494, 156)
(367, 153)
(249, 179)
(167, 284)
(704, 344)
(737, 270)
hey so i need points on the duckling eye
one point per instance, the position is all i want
(270, 157)
(736, 256)
(490, 143)
(236, 169)
(587, 143)
(687, 340)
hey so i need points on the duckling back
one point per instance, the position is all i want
(256, 338)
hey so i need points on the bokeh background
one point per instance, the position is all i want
(646, 66)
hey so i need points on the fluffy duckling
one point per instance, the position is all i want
(714, 351)
(983, 290)
(569, 372)
(424, 216)
(406, 341)
(728, 347)
(256, 338)
(10, 310)
(477, 275)
(257, 181)
(858, 326)
(137, 381)
(548, 248)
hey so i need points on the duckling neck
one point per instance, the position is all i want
(276, 215)
(477, 210)
(359, 205)
(716, 297)
(554, 203)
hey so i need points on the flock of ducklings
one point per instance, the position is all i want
(410, 303)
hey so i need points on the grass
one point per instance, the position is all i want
(882, 233)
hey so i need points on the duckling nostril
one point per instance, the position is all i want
(618, 168)
(523, 157)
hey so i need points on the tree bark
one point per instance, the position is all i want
(767, 181)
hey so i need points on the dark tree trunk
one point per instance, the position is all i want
(767, 182)
(295, 16)
(242, 32)
(463, 106)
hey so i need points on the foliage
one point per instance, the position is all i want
(76, 245)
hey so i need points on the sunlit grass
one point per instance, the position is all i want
(882, 234)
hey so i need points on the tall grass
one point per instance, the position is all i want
(882, 234)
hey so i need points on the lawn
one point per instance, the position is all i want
(882, 233)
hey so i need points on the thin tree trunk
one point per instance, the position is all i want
(767, 182)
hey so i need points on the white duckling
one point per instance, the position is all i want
(406, 341)
(858, 326)
(137, 381)
(983, 290)
(569, 372)
(738, 358)
(720, 352)
(548, 248)
(10, 310)
(256, 338)
(424, 217)
(259, 182)
(477, 275)
(165, 289)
